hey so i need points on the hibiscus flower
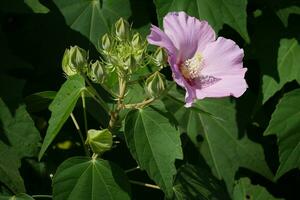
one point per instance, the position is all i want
(205, 66)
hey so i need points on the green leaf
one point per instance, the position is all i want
(20, 138)
(20, 196)
(61, 107)
(288, 66)
(198, 183)
(216, 12)
(245, 190)
(36, 6)
(155, 144)
(93, 18)
(83, 178)
(285, 123)
(215, 121)
(284, 13)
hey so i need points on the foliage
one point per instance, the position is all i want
(89, 110)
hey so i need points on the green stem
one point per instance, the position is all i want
(144, 184)
(80, 134)
(140, 104)
(84, 112)
(95, 93)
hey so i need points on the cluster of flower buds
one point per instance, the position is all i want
(75, 60)
(155, 84)
(123, 50)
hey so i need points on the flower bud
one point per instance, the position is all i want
(136, 41)
(155, 84)
(122, 29)
(99, 140)
(96, 72)
(74, 60)
(160, 57)
(66, 67)
(106, 43)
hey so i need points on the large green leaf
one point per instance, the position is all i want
(19, 139)
(61, 107)
(155, 144)
(81, 178)
(215, 121)
(284, 13)
(288, 66)
(93, 18)
(216, 12)
(198, 183)
(245, 190)
(20, 196)
(285, 123)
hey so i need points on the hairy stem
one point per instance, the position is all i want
(144, 184)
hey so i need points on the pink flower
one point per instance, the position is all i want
(203, 65)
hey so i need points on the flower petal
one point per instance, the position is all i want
(188, 34)
(159, 38)
(224, 61)
(222, 57)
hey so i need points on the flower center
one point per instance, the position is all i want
(191, 68)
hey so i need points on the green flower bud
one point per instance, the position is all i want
(66, 67)
(99, 140)
(160, 57)
(74, 60)
(96, 72)
(122, 29)
(106, 43)
(136, 41)
(155, 84)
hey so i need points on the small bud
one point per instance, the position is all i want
(122, 29)
(66, 67)
(74, 60)
(155, 84)
(96, 72)
(160, 57)
(136, 41)
(106, 43)
(99, 140)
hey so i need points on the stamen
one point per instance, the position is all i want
(191, 68)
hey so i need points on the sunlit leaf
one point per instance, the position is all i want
(243, 189)
(85, 178)
(93, 18)
(285, 124)
(216, 12)
(155, 144)
(61, 107)
(288, 66)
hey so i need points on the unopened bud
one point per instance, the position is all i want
(96, 72)
(106, 43)
(122, 29)
(136, 41)
(155, 84)
(74, 60)
(160, 57)
(66, 67)
(99, 140)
